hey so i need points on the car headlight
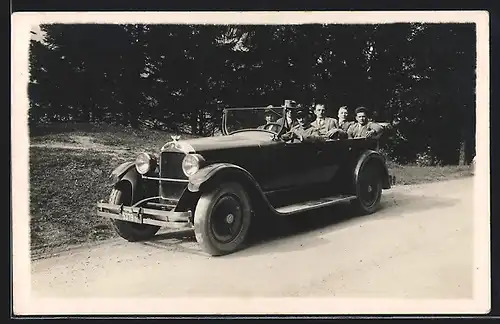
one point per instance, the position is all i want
(144, 163)
(191, 164)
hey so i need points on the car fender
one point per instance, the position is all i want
(120, 170)
(223, 171)
(371, 155)
(126, 172)
(197, 180)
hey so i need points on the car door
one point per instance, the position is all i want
(332, 156)
(296, 165)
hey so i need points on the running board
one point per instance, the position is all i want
(313, 204)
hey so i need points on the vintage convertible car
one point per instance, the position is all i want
(218, 185)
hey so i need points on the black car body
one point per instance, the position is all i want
(217, 185)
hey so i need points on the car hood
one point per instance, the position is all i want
(238, 140)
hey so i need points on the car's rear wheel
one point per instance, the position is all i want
(368, 188)
(130, 231)
(222, 219)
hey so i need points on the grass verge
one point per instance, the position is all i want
(412, 174)
(64, 188)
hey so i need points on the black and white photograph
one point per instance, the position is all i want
(250, 163)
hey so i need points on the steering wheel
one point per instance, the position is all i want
(273, 127)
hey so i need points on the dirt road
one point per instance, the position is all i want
(419, 245)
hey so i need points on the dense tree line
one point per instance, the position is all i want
(419, 77)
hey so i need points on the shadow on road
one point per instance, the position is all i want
(184, 235)
(305, 228)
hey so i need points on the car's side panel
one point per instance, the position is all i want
(215, 174)
(270, 165)
(291, 173)
(303, 165)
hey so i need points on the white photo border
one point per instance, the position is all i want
(26, 304)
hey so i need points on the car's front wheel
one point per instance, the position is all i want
(368, 188)
(222, 219)
(130, 231)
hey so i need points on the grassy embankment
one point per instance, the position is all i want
(66, 183)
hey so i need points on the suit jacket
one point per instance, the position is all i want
(325, 126)
(345, 125)
(308, 133)
(287, 126)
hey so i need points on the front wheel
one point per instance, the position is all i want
(130, 231)
(222, 219)
(368, 188)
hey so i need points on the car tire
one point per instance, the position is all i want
(132, 232)
(222, 219)
(368, 188)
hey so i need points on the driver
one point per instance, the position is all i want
(303, 131)
(269, 116)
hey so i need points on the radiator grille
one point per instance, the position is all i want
(171, 165)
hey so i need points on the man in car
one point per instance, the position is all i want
(327, 126)
(343, 123)
(269, 117)
(303, 131)
(290, 121)
(364, 128)
(322, 123)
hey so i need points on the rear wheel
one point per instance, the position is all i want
(130, 231)
(368, 188)
(222, 219)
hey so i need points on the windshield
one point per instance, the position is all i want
(265, 119)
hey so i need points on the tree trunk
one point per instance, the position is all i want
(134, 120)
(194, 122)
(201, 123)
(461, 158)
(125, 117)
(463, 147)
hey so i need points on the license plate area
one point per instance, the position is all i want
(128, 215)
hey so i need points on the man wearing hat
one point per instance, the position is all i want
(303, 130)
(364, 128)
(289, 118)
(269, 116)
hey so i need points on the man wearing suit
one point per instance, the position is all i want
(290, 121)
(326, 126)
(303, 131)
(343, 123)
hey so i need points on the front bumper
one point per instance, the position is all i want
(141, 215)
